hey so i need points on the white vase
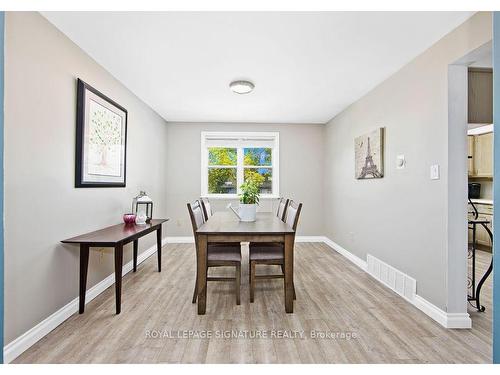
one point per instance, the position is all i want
(247, 212)
(141, 218)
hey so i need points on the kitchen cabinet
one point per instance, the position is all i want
(470, 154)
(480, 152)
(480, 96)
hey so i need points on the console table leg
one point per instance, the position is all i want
(158, 244)
(136, 247)
(84, 266)
(118, 276)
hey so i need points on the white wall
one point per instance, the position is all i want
(301, 167)
(42, 207)
(402, 218)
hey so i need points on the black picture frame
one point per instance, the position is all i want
(81, 123)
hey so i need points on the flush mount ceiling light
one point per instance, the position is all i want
(241, 87)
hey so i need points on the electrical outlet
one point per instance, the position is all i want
(178, 223)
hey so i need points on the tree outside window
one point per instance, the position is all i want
(229, 159)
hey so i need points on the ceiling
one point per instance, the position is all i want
(306, 67)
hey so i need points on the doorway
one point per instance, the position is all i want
(470, 188)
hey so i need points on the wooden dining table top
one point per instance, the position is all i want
(225, 222)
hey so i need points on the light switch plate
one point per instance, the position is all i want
(400, 162)
(435, 172)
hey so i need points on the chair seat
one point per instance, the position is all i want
(266, 253)
(224, 253)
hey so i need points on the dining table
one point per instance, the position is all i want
(224, 226)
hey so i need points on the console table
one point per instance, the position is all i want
(115, 236)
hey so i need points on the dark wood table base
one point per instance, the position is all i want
(117, 237)
(204, 240)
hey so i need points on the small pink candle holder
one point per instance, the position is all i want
(129, 219)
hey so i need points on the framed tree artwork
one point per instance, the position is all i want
(101, 139)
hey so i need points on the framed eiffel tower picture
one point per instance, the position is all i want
(369, 155)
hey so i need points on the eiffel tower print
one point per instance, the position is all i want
(370, 168)
(369, 163)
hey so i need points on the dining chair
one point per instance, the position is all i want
(207, 214)
(270, 253)
(282, 205)
(217, 256)
(280, 213)
(207, 208)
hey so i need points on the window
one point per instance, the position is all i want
(230, 158)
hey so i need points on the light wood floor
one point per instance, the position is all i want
(332, 295)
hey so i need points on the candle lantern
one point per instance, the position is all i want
(142, 207)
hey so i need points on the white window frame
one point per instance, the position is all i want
(239, 140)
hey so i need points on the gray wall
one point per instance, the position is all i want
(402, 218)
(301, 171)
(41, 205)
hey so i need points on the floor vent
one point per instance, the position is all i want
(398, 281)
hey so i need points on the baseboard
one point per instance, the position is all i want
(447, 320)
(16, 347)
(458, 320)
(350, 256)
(309, 239)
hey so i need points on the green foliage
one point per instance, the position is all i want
(257, 156)
(222, 180)
(218, 179)
(222, 156)
(250, 189)
(264, 176)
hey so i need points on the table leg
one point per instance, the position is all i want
(118, 276)
(84, 266)
(289, 273)
(202, 273)
(158, 245)
(136, 248)
(480, 307)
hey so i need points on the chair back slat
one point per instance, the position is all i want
(197, 219)
(207, 208)
(196, 214)
(293, 213)
(282, 205)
